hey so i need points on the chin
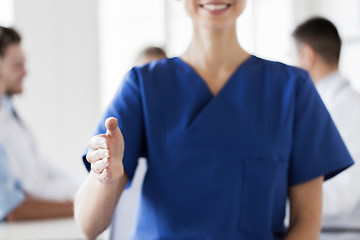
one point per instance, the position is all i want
(218, 26)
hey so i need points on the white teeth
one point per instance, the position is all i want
(213, 7)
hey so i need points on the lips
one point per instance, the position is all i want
(215, 6)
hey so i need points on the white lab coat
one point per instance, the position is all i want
(34, 172)
(341, 194)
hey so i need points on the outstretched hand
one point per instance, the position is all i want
(106, 152)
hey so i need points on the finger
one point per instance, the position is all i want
(100, 166)
(96, 155)
(105, 176)
(98, 141)
(112, 127)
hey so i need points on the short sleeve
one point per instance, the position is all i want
(318, 148)
(11, 195)
(126, 107)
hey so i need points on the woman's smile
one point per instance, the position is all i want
(215, 7)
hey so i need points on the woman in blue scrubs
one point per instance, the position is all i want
(228, 138)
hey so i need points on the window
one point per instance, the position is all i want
(125, 27)
(6, 12)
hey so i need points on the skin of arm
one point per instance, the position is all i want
(97, 197)
(36, 209)
(95, 204)
(305, 210)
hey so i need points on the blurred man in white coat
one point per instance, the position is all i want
(318, 47)
(30, 188)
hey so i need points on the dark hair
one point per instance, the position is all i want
(8, 36)
(152, 51)
(322, 36)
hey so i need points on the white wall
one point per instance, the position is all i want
(178, 28)
(6, 12)
(61, 98)
(273, 22)
(125, 27)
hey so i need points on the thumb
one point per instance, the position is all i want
(112, 128)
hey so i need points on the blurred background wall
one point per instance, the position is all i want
(79, 50)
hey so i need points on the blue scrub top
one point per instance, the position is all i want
(219, 167)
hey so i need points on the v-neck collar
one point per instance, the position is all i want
(204, 105)
(191, 70)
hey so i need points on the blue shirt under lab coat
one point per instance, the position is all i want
(11, 194)
(219, 167)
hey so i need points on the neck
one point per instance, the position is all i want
(211, 49)
(322, 70)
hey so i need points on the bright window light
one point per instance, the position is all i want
(6, 13)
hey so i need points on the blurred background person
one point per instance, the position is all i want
(149, 54)
(318, 50)
(11, 194)
(45, 191)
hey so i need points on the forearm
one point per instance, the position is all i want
(303, 230)
(305, 210)
(35, 209)
(95, 203)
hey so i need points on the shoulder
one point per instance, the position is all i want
(348, 91)
(338, 90)
(151, 79)
(165, 65)
(159, 75)
(283, 74)
(347, 99)
(280, 68)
